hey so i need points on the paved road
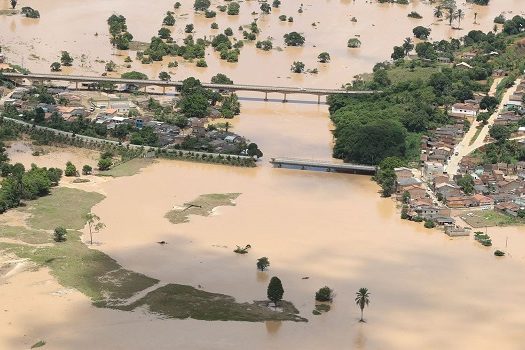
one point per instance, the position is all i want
(464, 148)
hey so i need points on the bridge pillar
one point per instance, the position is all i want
(266, 95)
(145, 88)
(164, 90)
(318, 99)
(285, 100)
(76, 85)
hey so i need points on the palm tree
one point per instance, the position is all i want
(451, 15)
(407, 45)
(460, 15)
(438, 13)
(362, 299)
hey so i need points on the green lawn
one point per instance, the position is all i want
(399, 74)
(478, 131)
(64, 207)
(26, 235)
(129, 168)
(202, 206)
(490, 218)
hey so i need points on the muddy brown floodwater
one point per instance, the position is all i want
(427, 291)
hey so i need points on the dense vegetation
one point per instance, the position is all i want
(370, 128)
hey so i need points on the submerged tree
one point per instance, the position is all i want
(324, 57)
(275, 290)
(263, 263)
(362, 299)
(94, 225)
(13, 4)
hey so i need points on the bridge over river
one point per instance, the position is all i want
(310, 164)
(80, 79)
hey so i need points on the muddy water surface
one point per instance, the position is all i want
(428, 291)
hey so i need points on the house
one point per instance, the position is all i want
(416, 192)
(447, 190)
(432, 169)
(509, 208)
(464, 110)
(460, 202)
(483, 202)
(456, 231)
(72, 111)
(497, 73)
(18, 93)
(403, 184)
(440, 179)
(403, 173)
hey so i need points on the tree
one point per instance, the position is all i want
(222, 79)
(164, 76)
(233, 8)
(381, 78)
(459, 16)
(275, 290)
(451, 15)
(297, 67)
(406, 197)
(134, 75)
(293, 39)
(201, 5)
(60, 234)
(399, 52)
(276, 3)
(56, 67)
(466, 182)
(324, 294)
(421, 32)
(87, 170)
(189, 28)
(164, 33)
(104, 164)
(263, 263)
(169, 20)
(353, 43)
(110, 66)
(408, 45)
(324, 57)
(500, 133)
(488, 102)
(438, 13)
(71, 170)
(266, 8)
(13, 4)
(66, 59)
(94, 225)
(362, 299)
(254, 151)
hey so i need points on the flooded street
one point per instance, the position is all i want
(427, 291)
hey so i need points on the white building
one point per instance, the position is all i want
(465, 109)
(432, 169)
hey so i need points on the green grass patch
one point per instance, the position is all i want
(179, 301)
(101, 278)
(400, 74)
(88, 270)
(490, 218)
(25, 235)
(64, 207)
(129, 168)
(202, 206)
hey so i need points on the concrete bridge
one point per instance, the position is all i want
(308, 164)
(79, 79)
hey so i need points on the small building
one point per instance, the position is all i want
(18, 93)
(457, 231)
(403, 173)
(433, 169)
(460, 202)
(464, 109)
(484, 202)
(464, 65)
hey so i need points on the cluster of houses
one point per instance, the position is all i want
(439, 146)
(112, 111)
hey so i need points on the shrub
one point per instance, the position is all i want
(87, 170)
(499, 253)
(60, 234)
(244, 250)
(263, 263)
(324, 294)
(429, 224)
(71, 170)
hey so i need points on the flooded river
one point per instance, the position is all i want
(427, 291)
(36, 43)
